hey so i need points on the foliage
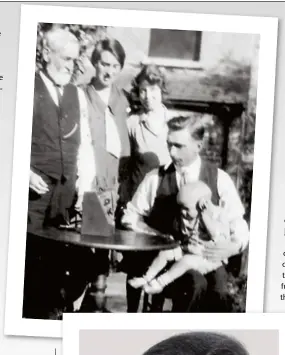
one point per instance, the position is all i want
(232, 79)
(229, 80)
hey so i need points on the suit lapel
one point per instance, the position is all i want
(97, 103)
(44, 94)
(116, 106)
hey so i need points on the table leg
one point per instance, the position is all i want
(95, 299)
(97, 291)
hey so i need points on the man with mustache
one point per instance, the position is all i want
(154, 209)
(107, 111)
(58, 107)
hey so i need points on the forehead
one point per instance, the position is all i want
(108, 57)
(145, 84)
(70, 50)
(189, 200)
(181, 136)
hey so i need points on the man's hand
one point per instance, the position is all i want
(38, 184)
(217, 251)
(203, 203)
(206, 205)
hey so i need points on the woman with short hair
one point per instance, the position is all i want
(148, 132)
(147, 127)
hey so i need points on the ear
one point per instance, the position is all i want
(199, 146)
(46, 54)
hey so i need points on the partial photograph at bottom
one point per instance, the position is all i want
(170, 342)
(174, 334)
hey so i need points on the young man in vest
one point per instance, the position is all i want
(53, 168)
(154, 207)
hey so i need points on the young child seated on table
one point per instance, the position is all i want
(199, 222)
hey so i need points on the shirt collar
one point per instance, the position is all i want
(144, 119)
(194, 166)
(49, 82)
(104, 95)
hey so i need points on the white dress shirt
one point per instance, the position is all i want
(51, 88)
(230, 202)
(86, 166)
(113, 141)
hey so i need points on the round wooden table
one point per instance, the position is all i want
(119, 240)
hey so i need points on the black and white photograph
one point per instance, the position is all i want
(127, 124)
(205, 334)
(239, 342)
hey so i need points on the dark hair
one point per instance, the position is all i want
(111, 45)
(152, 74)
(194, 122)
(198, 343)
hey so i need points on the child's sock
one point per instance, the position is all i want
(137, 282)
(153, 287)
(164, 279)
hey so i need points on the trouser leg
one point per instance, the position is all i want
(38, 207)
(187, 292)
(43, 276)
(217, 296)
(97, 274)
(136, 264)
(133, 296)
(32, 279)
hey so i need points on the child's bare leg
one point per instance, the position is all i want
(157, 265)
(179, 268)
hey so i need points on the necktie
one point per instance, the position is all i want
(184, 179)
(56, 86)
(59, 96)
(113, 141)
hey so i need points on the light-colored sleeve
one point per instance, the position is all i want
(85, 158)
(233, 209)
(141, 204)
(216, 223)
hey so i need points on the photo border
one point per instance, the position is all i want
(31, 15)
(73, 323)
